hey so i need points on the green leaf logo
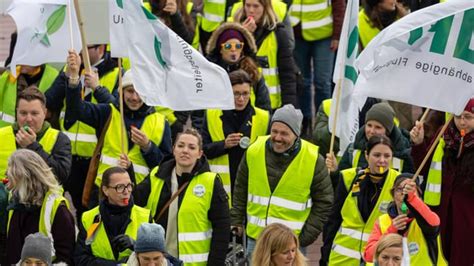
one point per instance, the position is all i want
(119, 3)
(158, 55)
(53, 24)
(148, 14)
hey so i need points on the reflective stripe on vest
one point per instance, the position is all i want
(396, 162)
(220, 165)
(100, 245)
(352, 236)
(8, 145)
(153, 127)
(315, 17)
(366, 31)
(9, 91)
(290, 202)
(269, 49)
(51, 202)
(417, 246)
(213, 14)
(82, 136)
(194, 227)
(432, 195)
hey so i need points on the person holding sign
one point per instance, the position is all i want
(408, 216)
(450, 183)
(227, 134)
(190, 202)
(148, 136)
(361, 197)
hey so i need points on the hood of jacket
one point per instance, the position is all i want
(250, 48)
(400, 140)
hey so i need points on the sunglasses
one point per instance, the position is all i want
(228, 46)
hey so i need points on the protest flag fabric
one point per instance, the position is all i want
(169, 72)
(118, 35)
(44, 33)
(424, 59)
(345, 77)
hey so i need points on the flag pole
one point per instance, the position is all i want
(85, 52)
(433, 146)
(69, 15)
(425, 114)
(334, 122)
(122, 120)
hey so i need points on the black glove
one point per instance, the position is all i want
(122, 242)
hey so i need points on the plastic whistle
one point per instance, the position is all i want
(26, 128)
(5, 181)
(463, 132)
(125, 201)
(404, 208)
(381, 169)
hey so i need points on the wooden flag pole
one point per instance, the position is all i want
(334, 122)
(425, 114)
(433, 146)
(69, 15)
(122, 120)
(85, 53)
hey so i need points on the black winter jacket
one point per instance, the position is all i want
(218, 213)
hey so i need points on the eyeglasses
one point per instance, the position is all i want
(237, 95)
(228, 46)
(465, 117)
(120, 188)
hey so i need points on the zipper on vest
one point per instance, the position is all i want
(268, 208)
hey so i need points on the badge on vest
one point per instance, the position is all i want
(383, 206)
(199, 190)
(244, 142)
(413, 248)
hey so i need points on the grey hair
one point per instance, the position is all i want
(31, 177)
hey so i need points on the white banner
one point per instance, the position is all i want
(426, 59)
(118, 34)
(43, 32)
(94, 14)
(169, 72)
(345, 76)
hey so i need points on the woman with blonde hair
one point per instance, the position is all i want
(277, 245)
(389, 250)
(36, 205)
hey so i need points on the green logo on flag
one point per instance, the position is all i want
(159, 57)
(53, 24)
(148, 14)
(119, 3)
(349, 71)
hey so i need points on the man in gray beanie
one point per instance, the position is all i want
(37, 249)
(150, 247)
(282, 178)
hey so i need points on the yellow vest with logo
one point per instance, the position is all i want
(8, 93)
(220, 165)
(315, 17)
(194, 227)
(416, 243)
(8, 145)
(48, 211)
(269, 49)
(153, 127)
(432, 194)
(351, 238)
(290, 203)
(278, 6)
(100, 245)
(396, 163)
(82, 136)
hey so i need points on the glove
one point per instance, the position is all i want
(122, 242)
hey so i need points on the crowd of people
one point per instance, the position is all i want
(86, 184)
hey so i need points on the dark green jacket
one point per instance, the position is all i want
(321, 191)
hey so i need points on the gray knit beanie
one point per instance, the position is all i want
(37, 246)
(382, 113)
(290, 116)
(150, 237)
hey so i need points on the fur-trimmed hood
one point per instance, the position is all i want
(250, 48)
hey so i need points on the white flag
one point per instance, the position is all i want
(345, 76)
(169, 72)
(43, 32)
(118, 34)
(426, 59)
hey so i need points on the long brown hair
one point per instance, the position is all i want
(157, 9)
